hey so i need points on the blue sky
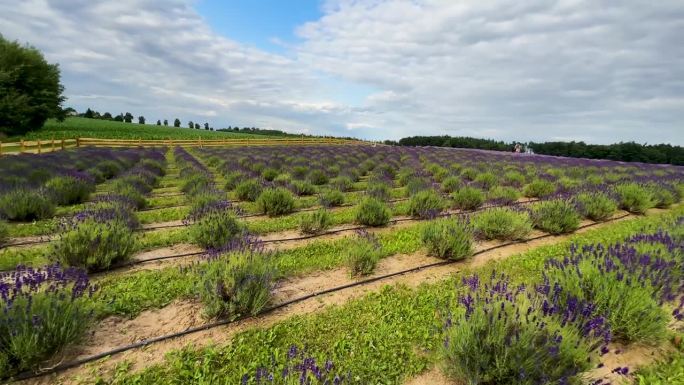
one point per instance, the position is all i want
(259, 22)
(533, 70)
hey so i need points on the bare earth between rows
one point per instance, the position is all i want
(114, 332)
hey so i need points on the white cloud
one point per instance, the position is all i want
(533, 70)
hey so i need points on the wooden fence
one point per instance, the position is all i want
(41, 146)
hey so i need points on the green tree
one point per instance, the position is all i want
(107, 116)
(128, 117)
(30, 91)
(158, 122)
(119, 118)
(197, 126)
(191, 124)
(176, 123)
(89, 114)
(206, 126)
(166, 122)
(141, 119)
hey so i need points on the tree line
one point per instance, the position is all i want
(623, 151)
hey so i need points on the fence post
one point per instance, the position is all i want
(200, 142)
(39, 146)
(0, 149)
(62, 143)
(78, 142)
(21, 149)
(53, 144)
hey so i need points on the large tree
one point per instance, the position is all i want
(30, 91)
(177, 123)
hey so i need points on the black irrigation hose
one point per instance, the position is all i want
(147, 342)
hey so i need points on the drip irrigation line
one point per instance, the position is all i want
(150, 341)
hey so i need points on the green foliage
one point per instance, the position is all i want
(363, 255)
(378, 191)
(331, 198)
(502, 223)
(468, 198)
(372, 212)
(666, 372)
(26, 205)
(318, 177)
(216, 229)
(235, 285)
(30, 91)
(596, 206)
(663, 196)
(539, 188)
(108, 168)
(342, 183)
(269, 174)
(469, 173)
(95, 246)
(232, 179)
(448, 238)
(514, 178)
(486, 180)
(635, 198)
(315, 222)
(248, 190)
(451, 184)
(4, 232)
(425, 204)
(275, 201)
(303, 188)
(416, 185)
(503, 195)
(66, 190)
(556, 216)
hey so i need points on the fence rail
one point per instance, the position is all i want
(41, 146)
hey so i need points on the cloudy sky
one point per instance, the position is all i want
(598, 71)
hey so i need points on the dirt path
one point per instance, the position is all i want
(180, 315)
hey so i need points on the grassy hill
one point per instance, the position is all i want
(75, 127)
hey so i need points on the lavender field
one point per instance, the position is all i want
(339, 264)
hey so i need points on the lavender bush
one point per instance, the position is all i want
(70, 189)
(331, 198)
(468, 198)
(275, 201)
(43, 310)
(363, 254)
(248, 190)
(303, 188)
(26, 205)
(597, 206)
(502, 223)
(539, 188)
(216, 227)
(372, 212)
(94, 243)
(236, 284)
(426, 204)
(448, 238)
(627, 282)
(634, 198)
(557, 216)
(503, 195)
(379, 191)
(315, 222)
(504, 334)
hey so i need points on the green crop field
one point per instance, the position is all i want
(75, 127)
